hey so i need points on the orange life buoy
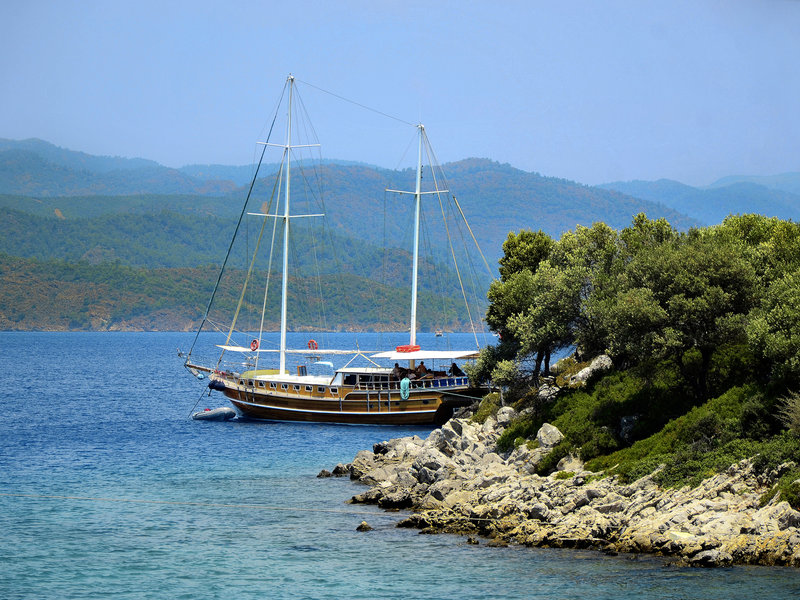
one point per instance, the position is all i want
(254, 345)
(408, 348)
(312, 345)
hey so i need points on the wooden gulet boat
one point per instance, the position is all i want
(373, 395)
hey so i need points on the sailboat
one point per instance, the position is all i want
(411, 394)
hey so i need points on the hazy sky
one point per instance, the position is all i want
(592, 91)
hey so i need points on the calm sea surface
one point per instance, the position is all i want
(108, 489)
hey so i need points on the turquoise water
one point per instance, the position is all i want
(107, 488)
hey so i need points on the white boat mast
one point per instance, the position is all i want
(286, 216)
(285, 278)
(418, 193)
(415, 269)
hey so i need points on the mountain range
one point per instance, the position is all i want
(72, 207)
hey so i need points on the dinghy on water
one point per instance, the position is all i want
(223, 413)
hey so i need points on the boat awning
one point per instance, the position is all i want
(428, 355)
(306, 352)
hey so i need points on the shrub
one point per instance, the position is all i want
(487, 408)
(789, 412)
(522, 427)
(548, 464)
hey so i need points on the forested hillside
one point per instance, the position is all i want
(59, 296)
(116, 213)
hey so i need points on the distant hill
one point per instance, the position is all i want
(71, 159)
(37, 168)
(711, 205)
(786, 182)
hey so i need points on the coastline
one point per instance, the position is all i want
(455, 481)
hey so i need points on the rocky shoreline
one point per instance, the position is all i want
(455, 481)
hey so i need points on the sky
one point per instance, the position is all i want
(589, 91)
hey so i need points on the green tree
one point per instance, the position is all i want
(774, 329)
(524, 251)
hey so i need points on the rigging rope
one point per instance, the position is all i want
(431, 156)
(357, 103)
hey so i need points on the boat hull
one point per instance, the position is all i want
(355, 408)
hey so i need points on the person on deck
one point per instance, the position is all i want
(455, 371)
(398, 372)
(421, 370)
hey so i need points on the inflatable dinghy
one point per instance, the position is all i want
(223, 413)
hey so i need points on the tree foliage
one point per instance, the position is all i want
(704, 300)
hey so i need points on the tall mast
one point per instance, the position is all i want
(285, 280)
(415, 268)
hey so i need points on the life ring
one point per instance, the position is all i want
(312, 345)
(408, 348)
(254, 345)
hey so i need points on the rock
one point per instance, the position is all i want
(362, 464)
(549, 435)
(778, 517)
(380, 448)
(505, 415)
(711, 558)
(364, 526)
(472, 541)
(432, 459)
(399, 499)
(547, 393)
(539, 511)
(570, 463)
(599, 364)
(324, 473)
(341, 470)
(611, 507)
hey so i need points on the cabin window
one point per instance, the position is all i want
(250, 382)
(272, 385)
(261, 384)
(309, 388)
(350, 379)
(241, 382)
(321, 389)
(296, 388)
(284, 386)
(334, 390)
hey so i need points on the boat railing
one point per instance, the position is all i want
(437, 382)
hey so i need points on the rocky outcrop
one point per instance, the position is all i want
(456, 481)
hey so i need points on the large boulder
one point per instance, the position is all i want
(505, 415)
(599, 364)
(549, 435)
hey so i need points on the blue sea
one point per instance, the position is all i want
(109, 489)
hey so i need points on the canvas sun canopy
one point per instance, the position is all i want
(428, 355)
